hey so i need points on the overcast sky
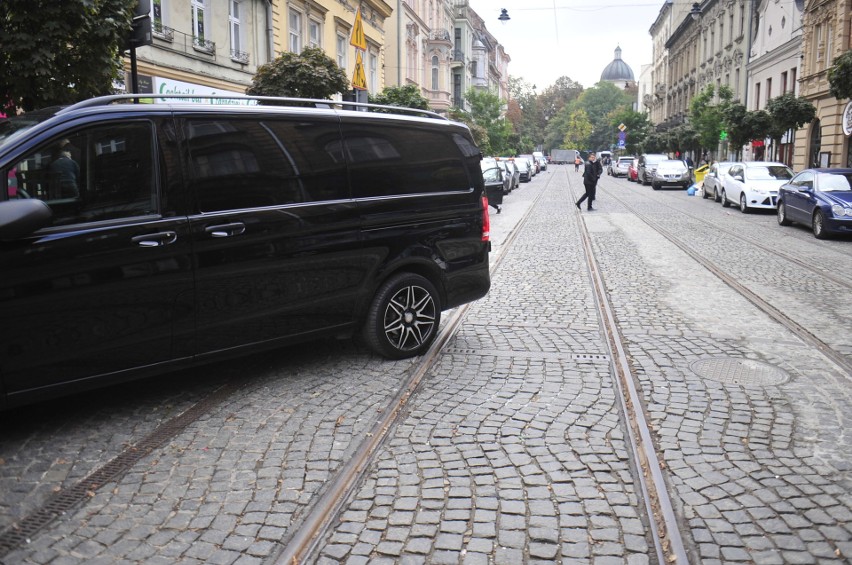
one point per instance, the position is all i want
(547, 39)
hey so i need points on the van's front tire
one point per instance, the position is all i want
(404, 317)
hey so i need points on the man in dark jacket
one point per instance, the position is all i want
(592, 171)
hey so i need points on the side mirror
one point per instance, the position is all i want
(739, 178)
(19, 218)
(806, 188)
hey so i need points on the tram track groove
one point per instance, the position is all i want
(665, 530)
(300, 545)
(837, 358)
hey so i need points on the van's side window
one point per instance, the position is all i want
(385, 161)
(94, 174)
(248, 163)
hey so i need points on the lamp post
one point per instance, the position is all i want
(504, 16)
(695, 12)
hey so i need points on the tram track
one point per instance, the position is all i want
(836, 357)
(665, 531)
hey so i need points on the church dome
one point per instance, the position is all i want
(617, 70)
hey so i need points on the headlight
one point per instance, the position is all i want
(841, 211)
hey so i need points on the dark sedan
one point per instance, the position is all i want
(819, 198)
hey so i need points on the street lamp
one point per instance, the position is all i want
(695, 12)
(504, 16)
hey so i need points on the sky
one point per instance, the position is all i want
(548, 39)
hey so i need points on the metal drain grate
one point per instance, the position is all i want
(729, 370)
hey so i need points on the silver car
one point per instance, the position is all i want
(671, 172)
(713, 180)
(620, 167)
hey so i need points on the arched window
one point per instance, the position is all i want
(816, 143)
(434, 73)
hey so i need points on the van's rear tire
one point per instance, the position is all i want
(404, 317)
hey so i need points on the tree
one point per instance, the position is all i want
(788, 112)
(601, 103)
(54, 53)
(744, 126)
(407, 96)
(840, 77)
(636, 125)
(309, 74)
(578, 128)
(486, 110)
(707, 114)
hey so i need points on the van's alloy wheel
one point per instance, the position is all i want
(404, 317)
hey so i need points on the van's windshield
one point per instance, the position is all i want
(13, 127)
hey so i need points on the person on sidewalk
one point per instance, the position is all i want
(592, 171)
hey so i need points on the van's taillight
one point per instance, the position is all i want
(486, 220)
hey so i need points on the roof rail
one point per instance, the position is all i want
(279, 101)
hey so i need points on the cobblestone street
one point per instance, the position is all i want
(516, 446)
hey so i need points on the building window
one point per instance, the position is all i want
(373, 78)
(199, 40)
(341, 49)
(757, 96)
(236, 32)
(434, 73)
(793, 80)
(157, 23)
(768, 89)
(737, 83)
(829, 56)
(731, 26)
(784, 82)
(295, 31)
(314, 33)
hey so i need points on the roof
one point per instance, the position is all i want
(617, 69)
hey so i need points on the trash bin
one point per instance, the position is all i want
(700, 172)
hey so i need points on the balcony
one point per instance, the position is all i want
(239, 57)
(458, 60)
(441, 36)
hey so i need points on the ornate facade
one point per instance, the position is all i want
(823, 142)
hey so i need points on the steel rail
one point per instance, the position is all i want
(304, 542)
(803, 333)
(665, 531)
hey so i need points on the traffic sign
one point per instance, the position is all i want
(622, 127)
(358, 40)
(359, 80)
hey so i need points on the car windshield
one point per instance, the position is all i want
(771, 172)
(624, 161)
(835, 182)
(15, 126)
(654, 159)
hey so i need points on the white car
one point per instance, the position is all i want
(619, 168)
(754, 184)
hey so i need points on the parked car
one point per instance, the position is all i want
(619, 168)
(526, 168)
(713, 180)
(542, 162)
(512, 169)
(820, 199)
(671, 172)
(535, 167)
(754, 184)
(647, 165)
(633, 171)
(196, 232)
(495, 183)
(505, 177)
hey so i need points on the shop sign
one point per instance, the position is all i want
(847, 119)
(194, 92)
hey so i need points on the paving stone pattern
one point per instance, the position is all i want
(512, 451)
(761, 473)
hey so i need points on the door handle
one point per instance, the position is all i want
(226, 230)
(155, 239)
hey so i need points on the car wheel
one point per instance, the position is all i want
(404, 317)
(655, 186)
(782, 214)
(716, 197)
(725, 202)
(819, 225)
(704, 194)
(743, 205)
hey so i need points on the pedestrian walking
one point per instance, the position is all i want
(577, 162)
(592, 171)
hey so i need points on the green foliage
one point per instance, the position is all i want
(601, 103)
(637, 128)
(789, 111)
(578, 128)
(407, 96)
(707, 114)
(486, 111)
(309, 74)
(60, 52)
(840, 77)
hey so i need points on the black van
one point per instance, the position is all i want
(139, 238)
